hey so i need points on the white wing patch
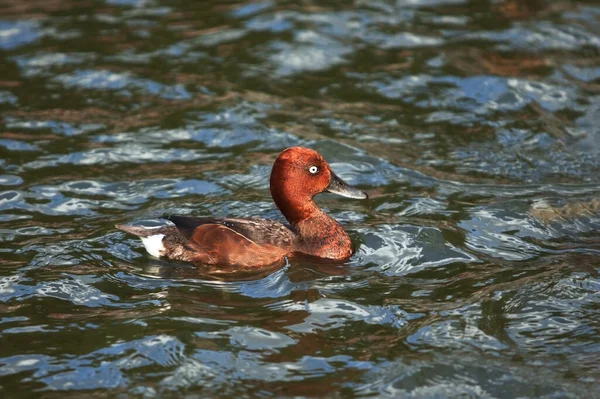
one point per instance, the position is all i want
(154, 244)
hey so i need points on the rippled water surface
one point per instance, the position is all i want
(475, 126)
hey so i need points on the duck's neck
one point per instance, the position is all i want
(297, 211)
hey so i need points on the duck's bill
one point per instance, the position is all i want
(340, 187)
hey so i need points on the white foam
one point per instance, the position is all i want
(154, 244)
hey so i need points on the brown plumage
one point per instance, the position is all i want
(298, 175)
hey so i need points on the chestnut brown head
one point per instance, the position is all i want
(298, 175)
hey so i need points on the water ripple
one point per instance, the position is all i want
(473, 127)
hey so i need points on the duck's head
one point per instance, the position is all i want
(298, 175)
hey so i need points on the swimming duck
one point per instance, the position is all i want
(298, 175)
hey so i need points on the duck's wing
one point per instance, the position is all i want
(259, 231)
(219, 245)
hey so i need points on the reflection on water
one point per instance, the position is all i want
(474, 125)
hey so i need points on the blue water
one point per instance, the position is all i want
(475, 127)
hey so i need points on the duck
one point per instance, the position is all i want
(297, 176)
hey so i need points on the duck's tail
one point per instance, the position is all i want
(140, 231)
(152, 238)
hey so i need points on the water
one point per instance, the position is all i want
(474, 126)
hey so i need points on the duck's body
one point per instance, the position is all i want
(297, 176)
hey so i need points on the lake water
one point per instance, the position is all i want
(474, 125)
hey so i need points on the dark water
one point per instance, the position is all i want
(474, 124)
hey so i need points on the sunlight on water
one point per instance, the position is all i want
(474, 126)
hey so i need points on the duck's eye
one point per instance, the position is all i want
(313, 169)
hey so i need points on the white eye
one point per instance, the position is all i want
(313, 169)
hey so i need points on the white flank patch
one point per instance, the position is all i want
(154, 244)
